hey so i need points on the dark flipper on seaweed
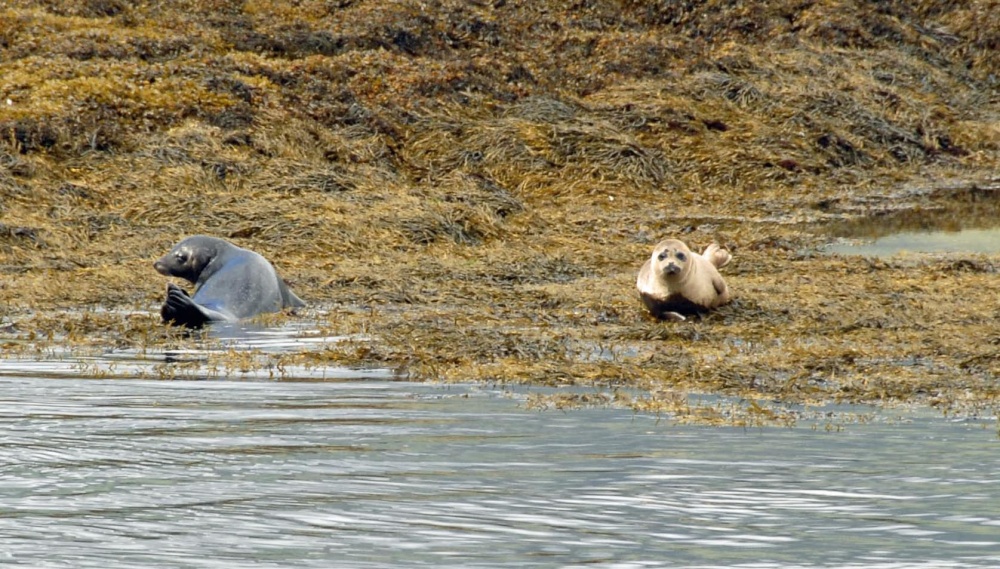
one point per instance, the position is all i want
(180, 310)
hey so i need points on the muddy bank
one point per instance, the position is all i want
(475, 186)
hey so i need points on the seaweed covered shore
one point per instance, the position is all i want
(474, 185)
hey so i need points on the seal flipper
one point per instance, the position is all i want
(288, 298)
(717, 255)
(179, 309)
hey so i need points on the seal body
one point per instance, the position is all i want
(675, 282)
(230, 283)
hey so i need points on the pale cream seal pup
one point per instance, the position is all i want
(674, 281)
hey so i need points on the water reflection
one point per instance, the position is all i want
(233, 351)
(127, 473)
(984, 241)
(958, 220)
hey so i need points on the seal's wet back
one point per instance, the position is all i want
(230, 283)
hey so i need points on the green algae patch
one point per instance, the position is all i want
(472, 188)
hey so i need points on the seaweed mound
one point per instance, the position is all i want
(488, 166)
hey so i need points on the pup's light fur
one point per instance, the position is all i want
(674, 281)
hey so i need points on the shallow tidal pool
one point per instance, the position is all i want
(975, 241)
(962, 218)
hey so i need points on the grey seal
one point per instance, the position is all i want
(231, 283)
(674, 281)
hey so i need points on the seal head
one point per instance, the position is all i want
(189, 258)
(230, 283)
(675, 282)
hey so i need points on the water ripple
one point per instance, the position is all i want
(131, 473)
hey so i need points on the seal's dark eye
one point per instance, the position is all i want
(662, 256)
(681, 257)
(181, 258)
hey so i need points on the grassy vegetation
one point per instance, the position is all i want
(476, 183)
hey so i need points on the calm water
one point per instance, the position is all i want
(984, 241)
(963, 218)
(371, 473)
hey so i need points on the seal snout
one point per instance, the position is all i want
(671, 269)
(161, 267)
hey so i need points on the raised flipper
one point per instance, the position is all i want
(288, 298)
(181, 310)
(717, 255)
